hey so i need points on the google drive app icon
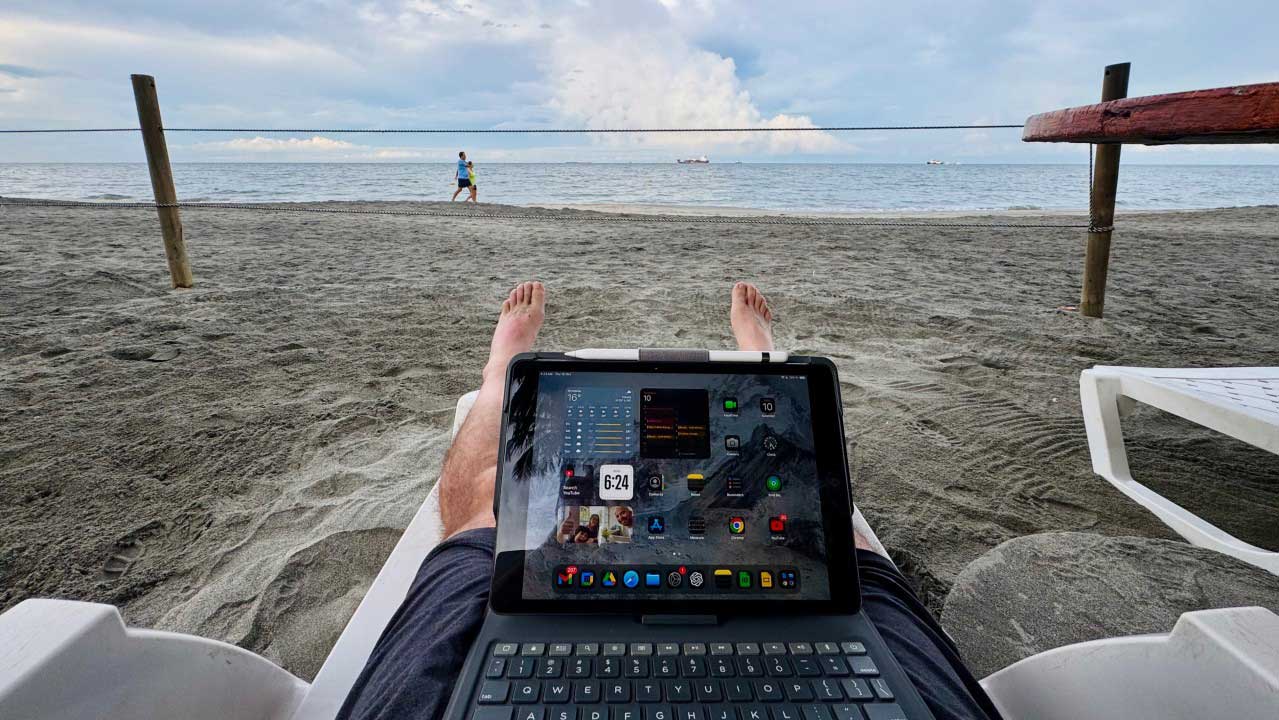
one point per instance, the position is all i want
(608, 579)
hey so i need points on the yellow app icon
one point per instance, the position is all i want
(765, 579)
(723, 579)
(696, 482)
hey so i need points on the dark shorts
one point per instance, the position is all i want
(413, 667)
(463, 183)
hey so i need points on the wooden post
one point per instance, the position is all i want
(175, 248)
(1105, 181)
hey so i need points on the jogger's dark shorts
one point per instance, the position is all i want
(411, 672)
(463, 182)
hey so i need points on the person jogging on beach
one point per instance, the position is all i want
(470, 175)
(463, 175)
(413, 667)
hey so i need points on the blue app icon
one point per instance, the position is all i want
(630, 579)
(652, 579)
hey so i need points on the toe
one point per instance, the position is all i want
(539, 293)
(506, 306)
(739, 292)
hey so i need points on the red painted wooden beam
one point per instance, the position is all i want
(1241, 114)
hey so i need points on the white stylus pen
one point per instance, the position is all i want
(676, 354)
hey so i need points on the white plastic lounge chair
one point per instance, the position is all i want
(1240, 402)
(63, 659)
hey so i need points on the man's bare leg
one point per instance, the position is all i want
(752, 322)
(456, 193)
(470, 466)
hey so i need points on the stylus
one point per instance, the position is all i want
(772, 356)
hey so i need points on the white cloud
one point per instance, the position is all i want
(274, 145)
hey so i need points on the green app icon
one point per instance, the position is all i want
(730, 405)
(743, 579)
(774, 483)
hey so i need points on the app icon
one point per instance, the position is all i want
(737, 526)
(653, 579)
(787, 579)
(617, 482)
(696, 482)
(697, 526)
(732, 443)
(733, 486)
(767, 406)
(655, 484)
(765, 579)
(566, 577)
(674, 579)
(777, 524)
(770, 443)
(730, 406)
(774, 483)
(743, 579)
(656, 525)
(695, 579)
(571, 482)
(586, 578)
(608, 579)
(630, 579)
(723, 579)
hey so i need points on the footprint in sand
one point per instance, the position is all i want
(127, 552)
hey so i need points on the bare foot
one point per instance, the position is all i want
(522, 314)
(751, 319)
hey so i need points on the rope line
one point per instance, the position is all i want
(1093, 227)
(670, 219)
(528, 131)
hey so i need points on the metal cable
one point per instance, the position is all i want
(530, 131)
(672, 219)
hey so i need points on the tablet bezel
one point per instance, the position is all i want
(510, 502)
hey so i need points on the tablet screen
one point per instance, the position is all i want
(670, 486)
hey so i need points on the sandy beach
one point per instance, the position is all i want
(236, 460)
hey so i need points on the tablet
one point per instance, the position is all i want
(673, 487)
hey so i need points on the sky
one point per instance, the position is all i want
(584, 64)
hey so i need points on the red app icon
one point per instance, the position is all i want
(777, 524)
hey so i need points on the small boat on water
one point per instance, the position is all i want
(934, 162)
(703, 160)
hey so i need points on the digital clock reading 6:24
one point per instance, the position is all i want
(617, 482)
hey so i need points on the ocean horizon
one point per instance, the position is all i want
(811, 187)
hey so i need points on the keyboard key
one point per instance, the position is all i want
(688, 712)
(774, 648)
(530, 713)
(533, 649)
(852, 648)
(561, 649)
(737, 691)
(857, 690)
(801, 648)
(578, 667)
(692, 648)
(525, 692)
(778, 666)
(636, 667)
(749, 666)
(882, 691)
(502, 712)
(885, 712)
(707, 691)
(494, 692)
(828, 690)
(668, 648)
(834, 665)
(649, 691)
(666, 667)
(847, 712)
(609, 667)
(722, 667)
(768, 690)
(720, 712)
(643, 649)
(798, 691)
(784, 712)
(550, 667)
(592, 713)
(556, 691)
(752, 712)
(815, 712)
(657, 712)
(617, 691)
(614, 649)
(627, 712)
(506, 649)
(496, 667)
(561, 712)
(588, 649)
(826, 648)
(586, 691)
(678, 691)
(807, 667)
(862, 665)
(721, 648)
(693, 666)
(519, 668)
(747, 648)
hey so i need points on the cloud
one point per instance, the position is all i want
(274, 145)
(22, 71)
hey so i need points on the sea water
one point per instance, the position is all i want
(767, 186)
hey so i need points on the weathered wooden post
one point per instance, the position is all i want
(1105, 181)
(175, 248)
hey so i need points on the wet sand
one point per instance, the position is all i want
(237, 460)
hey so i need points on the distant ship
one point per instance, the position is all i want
(934, 162)
(703, 160)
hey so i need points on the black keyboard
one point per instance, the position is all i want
(683, 681)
